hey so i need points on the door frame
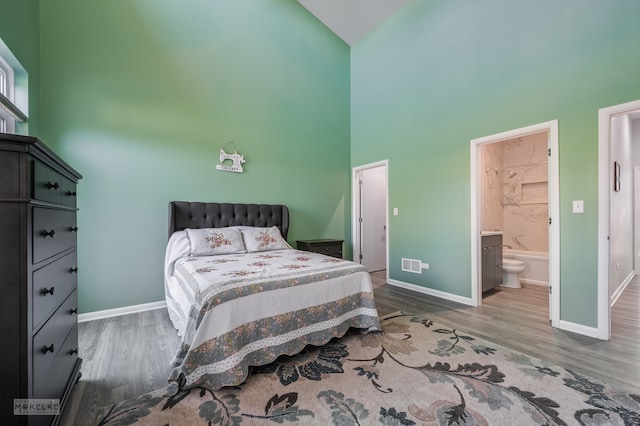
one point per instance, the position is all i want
(355, 210)
(636, 220)
(604, 220)
(554, 211)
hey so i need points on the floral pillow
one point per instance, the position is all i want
(212, 241)
(263, 239)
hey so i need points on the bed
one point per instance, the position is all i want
(239, 296)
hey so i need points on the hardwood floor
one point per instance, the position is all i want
(128, 355)
(519, 319)
(123, 357)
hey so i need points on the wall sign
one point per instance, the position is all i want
(237, 159)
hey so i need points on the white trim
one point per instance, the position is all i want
(554, 211)
(18, 99)
(554, 229)
(621, 288)
(432, 292)
(636, 217)
(355, 208)
(9, 112)
(604, 121)
(9, 79)
(476, 266)
(563, 325)
(109, 313)
(534, 282)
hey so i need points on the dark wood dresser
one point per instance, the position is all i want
(327, 246)
(38, 270)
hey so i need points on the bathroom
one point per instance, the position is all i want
(515, 201)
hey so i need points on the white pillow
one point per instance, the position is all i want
(212, 241)
(263, 239)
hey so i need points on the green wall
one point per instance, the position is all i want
(141, 95)
(20, 31)
(440, 73)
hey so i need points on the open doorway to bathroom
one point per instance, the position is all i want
(515, 196)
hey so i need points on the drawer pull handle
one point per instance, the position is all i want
(46, 291)
(46, 233)
(73, 228)
(53, 186)
(73, 270)
(73, 311)
(73, 351)
(71, 193)
(49, 348)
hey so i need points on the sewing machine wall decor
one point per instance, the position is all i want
(237, 159)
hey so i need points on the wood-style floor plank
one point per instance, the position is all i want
(129, 355)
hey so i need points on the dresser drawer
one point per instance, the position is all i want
(51, 286)
(53, 231)
(49, 341)
(52, 384)
(51, 186)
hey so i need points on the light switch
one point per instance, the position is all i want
(395, 211)
(578, 206)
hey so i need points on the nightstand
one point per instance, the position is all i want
(329, 247)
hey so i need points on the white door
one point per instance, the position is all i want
(373, 232)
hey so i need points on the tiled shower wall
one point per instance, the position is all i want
(515, 191)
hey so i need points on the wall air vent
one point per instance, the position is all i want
(412, 265)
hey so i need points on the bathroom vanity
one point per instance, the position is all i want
(491, 260)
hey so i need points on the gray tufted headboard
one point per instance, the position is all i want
(195, 215)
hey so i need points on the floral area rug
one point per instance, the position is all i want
(416, 372)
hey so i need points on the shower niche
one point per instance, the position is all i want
(535, 192)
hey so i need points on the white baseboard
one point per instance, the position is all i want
(108, 313)
(621, 288)
(534, 282)
(431, 292)
(563, 325)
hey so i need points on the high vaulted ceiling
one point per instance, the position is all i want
(352, 19)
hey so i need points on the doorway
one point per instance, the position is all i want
(618, 234)
(370, 222)
(478, 172)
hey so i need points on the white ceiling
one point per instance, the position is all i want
(352, 19)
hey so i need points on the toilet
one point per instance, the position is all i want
(510, 271)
